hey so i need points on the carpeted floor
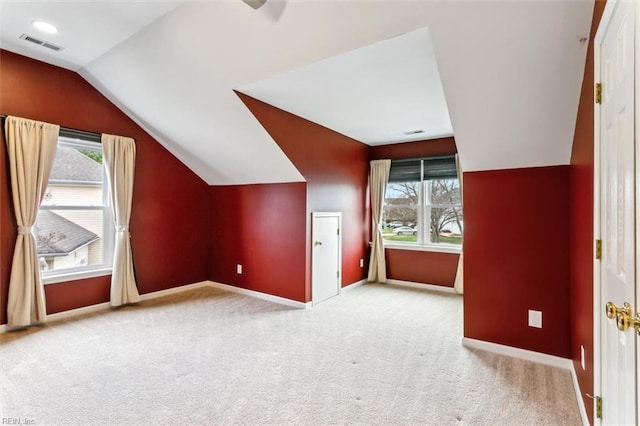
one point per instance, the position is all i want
(375, 355)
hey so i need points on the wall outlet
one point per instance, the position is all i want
(239, 268)
(535, 319)
(362, 263)
(582, 361)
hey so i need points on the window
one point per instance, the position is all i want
(74, 230)
(422, 203)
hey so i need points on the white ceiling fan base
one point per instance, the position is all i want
(256, 4)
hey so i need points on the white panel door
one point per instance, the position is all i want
(325, 259)
(617, 214)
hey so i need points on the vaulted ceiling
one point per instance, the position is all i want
(503, 76)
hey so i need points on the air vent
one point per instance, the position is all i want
(413, 132)
(41, 42)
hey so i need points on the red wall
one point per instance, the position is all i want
(425, 267)
(336, 169)
(262, 228)
(516, 244)
(581, 227)
(170, 203)
(426, 148)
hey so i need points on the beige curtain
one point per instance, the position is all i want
(119, 158)
(379, 175)
(458, 285)
(31, 146)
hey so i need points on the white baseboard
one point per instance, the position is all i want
(576, 388)
(153, 295)
(353, 285)
(540, 358)
(553, 361)
(64, 315)
(106, 305)
(431, 287)
(78, 311)
(263, 296)
(173, 290)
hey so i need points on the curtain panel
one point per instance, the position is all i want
(31, 147)
(378, 178)
(458, 284)
(119, 158)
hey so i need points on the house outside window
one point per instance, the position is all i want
(422, 203)
(74, 229)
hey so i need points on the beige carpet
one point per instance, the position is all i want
(375, 355)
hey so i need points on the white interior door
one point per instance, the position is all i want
(615, 64)
(325, 259)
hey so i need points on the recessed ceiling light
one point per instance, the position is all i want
(45, 27)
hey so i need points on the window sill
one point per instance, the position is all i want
(441, 248)
(77, 275)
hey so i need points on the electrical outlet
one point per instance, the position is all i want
(582, 361)
(535, 319)
(362, 263)
(239, 269)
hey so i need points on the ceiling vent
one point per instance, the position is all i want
(413, 132)
(41, 42)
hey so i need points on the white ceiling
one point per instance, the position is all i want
(511, 73)
(375, 94)
(86, 28)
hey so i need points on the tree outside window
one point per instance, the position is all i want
(423, 211)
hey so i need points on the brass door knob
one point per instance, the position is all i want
(612, 310)
(623, 316)
(317, 243)
(625, 322)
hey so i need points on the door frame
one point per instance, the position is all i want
(315, 215)
(637, 146)
(598, 306)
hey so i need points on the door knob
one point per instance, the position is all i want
(612, 310)
(623, 316)
(317, 243)
(625, 320)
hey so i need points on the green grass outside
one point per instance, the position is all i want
(451, 240)
(404, 238)
(388, 235)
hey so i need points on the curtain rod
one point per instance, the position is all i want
(69, 132)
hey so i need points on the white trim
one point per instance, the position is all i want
(597, 381)
(263, 296)
(77, 275)
(637, 195)
(173, 290)
(436, 248)
(106, 305)
(576, 388)
(78, 311)
(432, 287)
(607, 13)
(161, 293)
(65, 315)
(353, 285)
(540, 358)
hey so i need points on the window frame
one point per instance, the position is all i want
(423, 242)
(108, 228)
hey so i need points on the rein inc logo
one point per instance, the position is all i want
(17, 421)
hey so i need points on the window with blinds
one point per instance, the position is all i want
(422, 202)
